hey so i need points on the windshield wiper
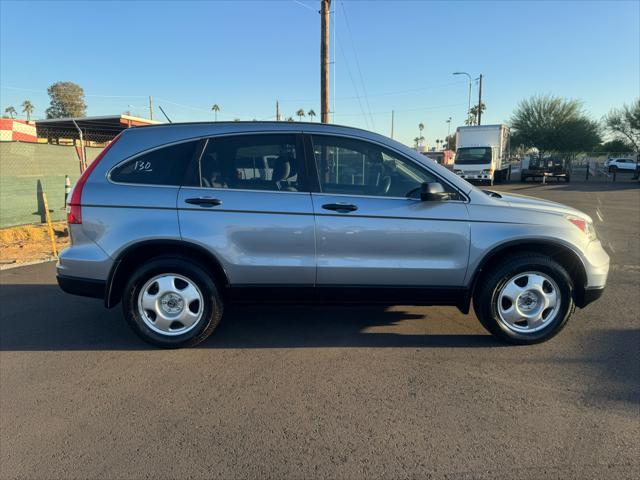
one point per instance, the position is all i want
(492, 194)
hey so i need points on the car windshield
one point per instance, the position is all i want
(473, 155)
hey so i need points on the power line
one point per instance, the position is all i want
(353, 83)
(355, 54)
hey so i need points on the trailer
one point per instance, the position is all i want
(553, 167)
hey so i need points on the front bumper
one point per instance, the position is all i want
(468, 176)
(85, 287)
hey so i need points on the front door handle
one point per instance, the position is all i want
(340, 207)
(204, 201)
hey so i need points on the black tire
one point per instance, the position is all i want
(613, 169)
(490, 284)
(212, 301)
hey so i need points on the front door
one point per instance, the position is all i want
(371, 227)
(248, 203)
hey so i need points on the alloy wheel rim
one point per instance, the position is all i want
(528, 302)
(170, 304)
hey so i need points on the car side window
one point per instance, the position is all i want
(253, 162)
(163, 166)
(355, 167)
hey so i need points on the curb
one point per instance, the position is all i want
(11, 266)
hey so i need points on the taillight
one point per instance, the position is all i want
(74, 206)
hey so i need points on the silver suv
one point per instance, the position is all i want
(177, 221)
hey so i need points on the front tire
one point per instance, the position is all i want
(172, 303)
(525, 300)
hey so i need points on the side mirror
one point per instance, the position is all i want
(433, 191)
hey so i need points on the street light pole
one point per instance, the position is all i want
(470, 81)
(480, 101)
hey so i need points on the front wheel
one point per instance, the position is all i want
(170, 302)
(525, 300)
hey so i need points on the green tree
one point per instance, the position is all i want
(617, 145)
(625, 123)
(450, 142)
(215, 108)
(553, 124)
(300, 113)
(27, 108)
(311, 114)
(10, 110)
(67, 100)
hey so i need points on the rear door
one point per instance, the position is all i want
(248, 203)
(371, 227)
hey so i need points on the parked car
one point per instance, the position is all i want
(617, 164)
(176, 222)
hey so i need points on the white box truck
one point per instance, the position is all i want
(482, 153)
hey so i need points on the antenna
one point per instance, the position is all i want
(165, 115)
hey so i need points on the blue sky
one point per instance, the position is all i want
(245, 55)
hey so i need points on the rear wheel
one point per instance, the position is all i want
(171, 303)
(527, 299)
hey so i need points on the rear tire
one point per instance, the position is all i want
(525, 300)
(170, 302)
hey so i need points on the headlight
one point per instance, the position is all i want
(458, 172)
(486, 172)
(587, 227)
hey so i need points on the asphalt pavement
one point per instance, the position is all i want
(326, 391)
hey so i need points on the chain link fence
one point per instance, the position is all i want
(29, 169)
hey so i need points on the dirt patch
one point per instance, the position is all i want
(30, 243)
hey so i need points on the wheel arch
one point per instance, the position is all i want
(560, 252)
(138, 253)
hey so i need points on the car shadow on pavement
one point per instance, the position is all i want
(41, 317)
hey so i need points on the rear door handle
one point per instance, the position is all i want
(204, 201)
(340, 207)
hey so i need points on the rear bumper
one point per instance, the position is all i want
(85, 287)
(588, 295)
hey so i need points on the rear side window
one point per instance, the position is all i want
(164, 166)
(253, 162)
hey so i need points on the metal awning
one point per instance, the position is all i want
(98, 129)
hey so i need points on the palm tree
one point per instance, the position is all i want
(417, 141)
(11, 111)
(311, 114)
(474, 112)
(300, 113)
(27, 107)
(215, 108)
(420, 128)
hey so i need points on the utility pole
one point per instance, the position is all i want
(150, 108)
(277, 111)
(480, 101)
(392, 114)
(324, 60)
